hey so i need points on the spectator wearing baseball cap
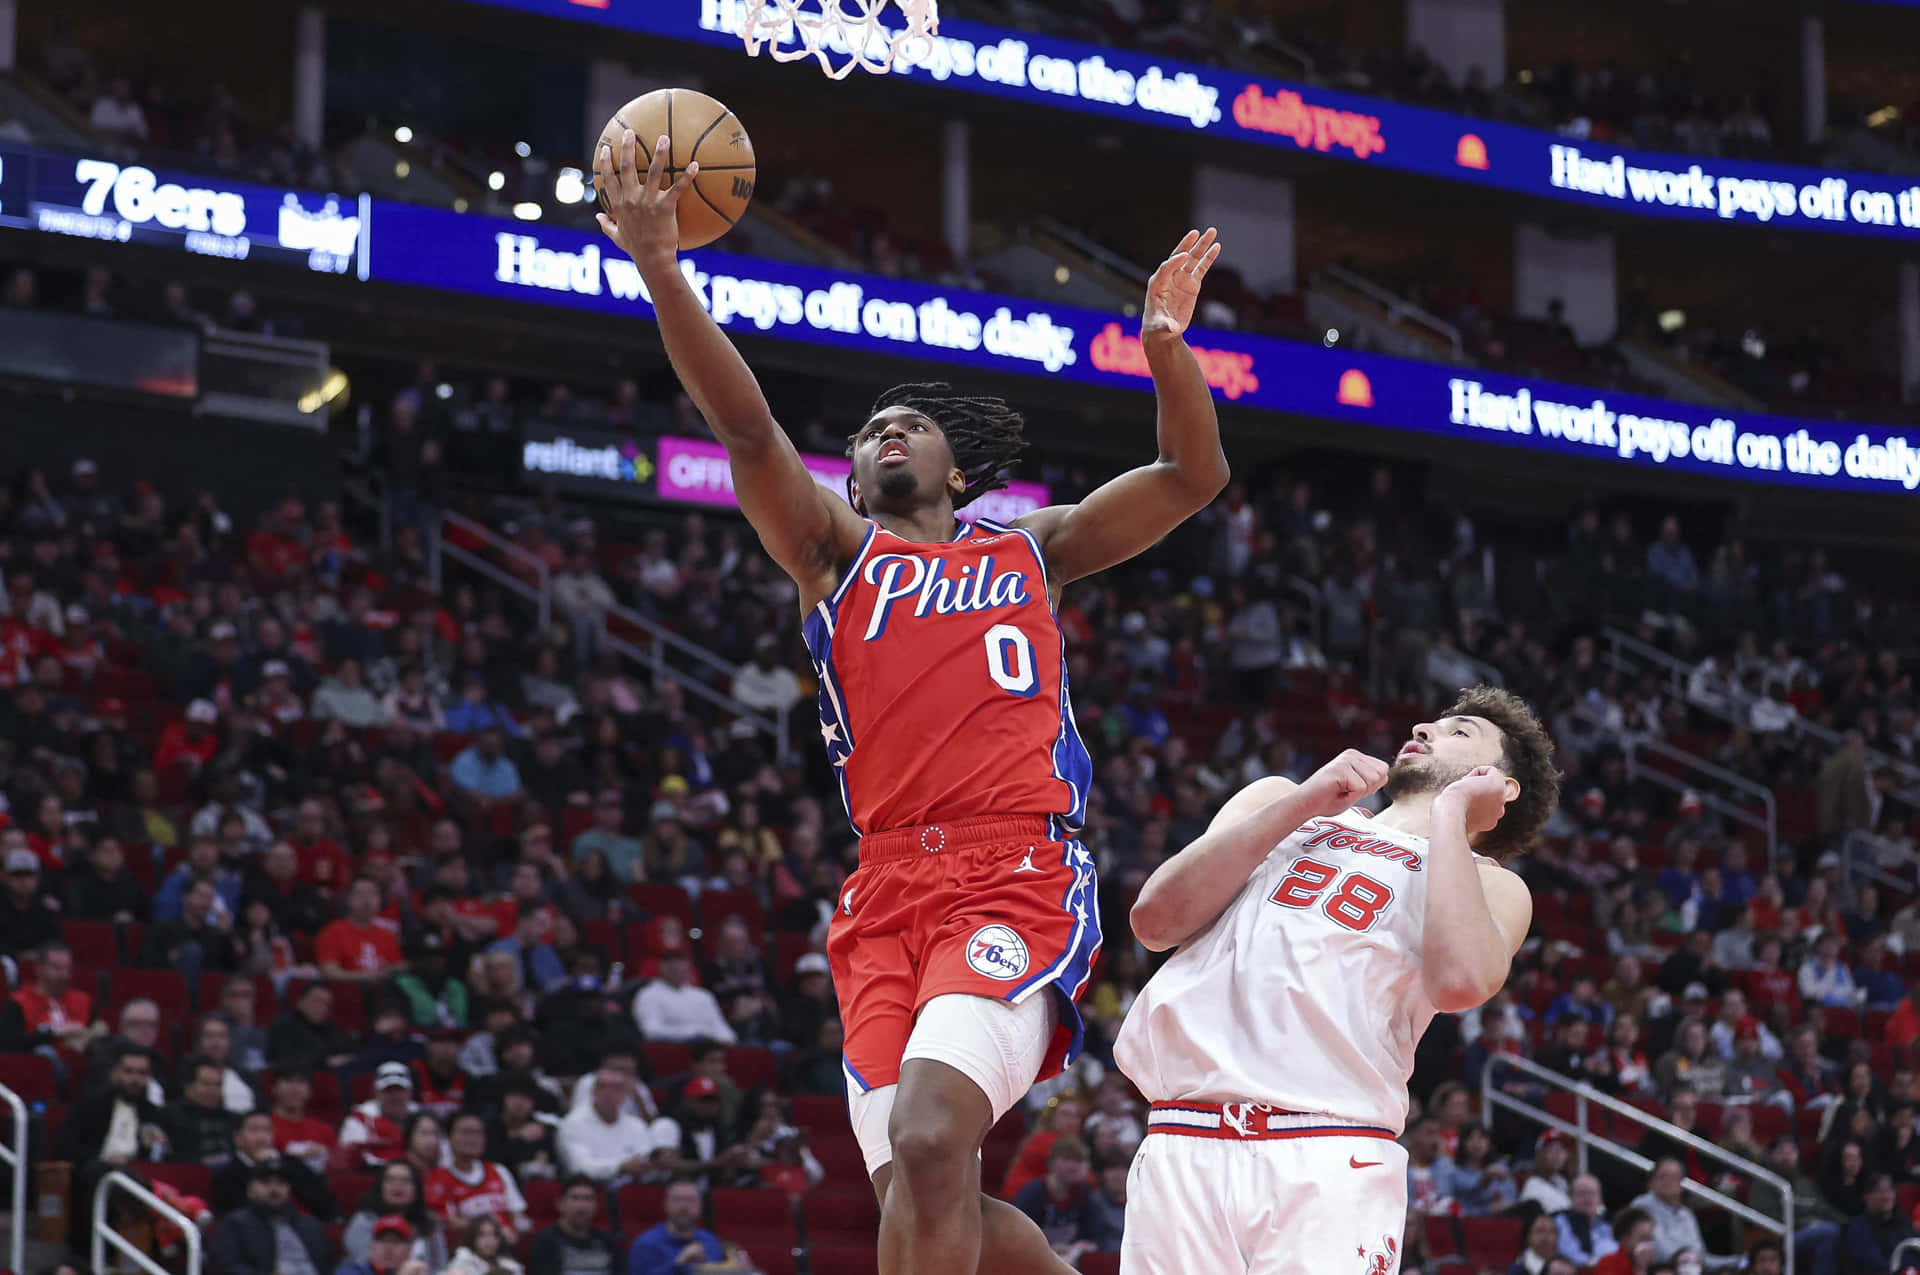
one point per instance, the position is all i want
(389, 1252)
(189, 744)
(270, 1236)
(375, 1130)
(809, 1000)
(26, 922)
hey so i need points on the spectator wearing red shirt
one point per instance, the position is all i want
(1062, 1120)
(375, 1131)
(469, 919)
(188, 745)
(47, 834)
(274, 550)
(296, 1133)
(1903, 1025)
(54, 1007)
(323, 862)
(358, 946)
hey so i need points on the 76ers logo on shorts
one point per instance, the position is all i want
(997, 952)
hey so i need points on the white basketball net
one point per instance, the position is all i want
(843, 34)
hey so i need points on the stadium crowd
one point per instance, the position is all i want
(380, 927)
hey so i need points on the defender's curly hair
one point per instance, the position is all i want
(986, 434)
(1526, 755)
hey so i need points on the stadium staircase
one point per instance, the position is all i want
(1600, 1126)
(458, 541)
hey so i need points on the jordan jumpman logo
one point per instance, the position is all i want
(1026, 864)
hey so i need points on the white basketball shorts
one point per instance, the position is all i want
(1258, 1193)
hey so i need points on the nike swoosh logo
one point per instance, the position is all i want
(1362, 1164)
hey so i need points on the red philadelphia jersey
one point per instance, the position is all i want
(943, 684)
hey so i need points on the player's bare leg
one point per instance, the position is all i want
(934, 1220)
(1010, 1243)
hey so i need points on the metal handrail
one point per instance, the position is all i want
(1396, 306)
(776, 725)
(1769, 826)
(15, 1156)
(1586, 1097)
(103, 1235)
(1682, 672)
(665, 636)
(1853, 861)
(541, 595)
(1905, 1246)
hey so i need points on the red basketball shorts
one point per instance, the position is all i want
(980, 907)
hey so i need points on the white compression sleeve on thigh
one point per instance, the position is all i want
(997, 1046)
(868, 1113)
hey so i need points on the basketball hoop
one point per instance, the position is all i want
(849, 29)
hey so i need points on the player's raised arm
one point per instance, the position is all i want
(1130, 513)
(1186, 893)
(806, 530)
(1477, 913)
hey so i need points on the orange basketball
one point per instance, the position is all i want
(700, 129)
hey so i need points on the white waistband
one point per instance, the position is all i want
(1247, 1117)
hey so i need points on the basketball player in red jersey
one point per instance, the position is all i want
(970, 928)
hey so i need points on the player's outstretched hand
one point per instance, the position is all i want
(1174, 289)
(1348, 778)
(644, 221)
(1480, 796)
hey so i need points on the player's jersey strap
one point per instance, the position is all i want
(1251, 1122)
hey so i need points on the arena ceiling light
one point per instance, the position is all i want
(403, 135)
(527, 211)
(496, 180)
(1672, 321)
(570, 186)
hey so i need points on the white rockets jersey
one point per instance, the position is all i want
(1306, 993)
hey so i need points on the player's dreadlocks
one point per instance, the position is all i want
(985, 433)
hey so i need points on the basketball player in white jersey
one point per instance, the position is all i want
(1316, 942)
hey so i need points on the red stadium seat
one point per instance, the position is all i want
(543, 1204)
(190, 1179)
(1100, 1264)
(818, 1111)
(1492, 1241)
(661, 900)
(750, 1065)
(640, 1207)
(668, 1058)
(1442, 1239)
(349, 1188)
(573, 821)
(602, 937)
(29, 1075)
(838, 1153)
(846, 1259)
(93, 942)
(1843, 1024)
(788, 947)
(840, 1213)
(757, 1219)
(717, 905)
(165, 988)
